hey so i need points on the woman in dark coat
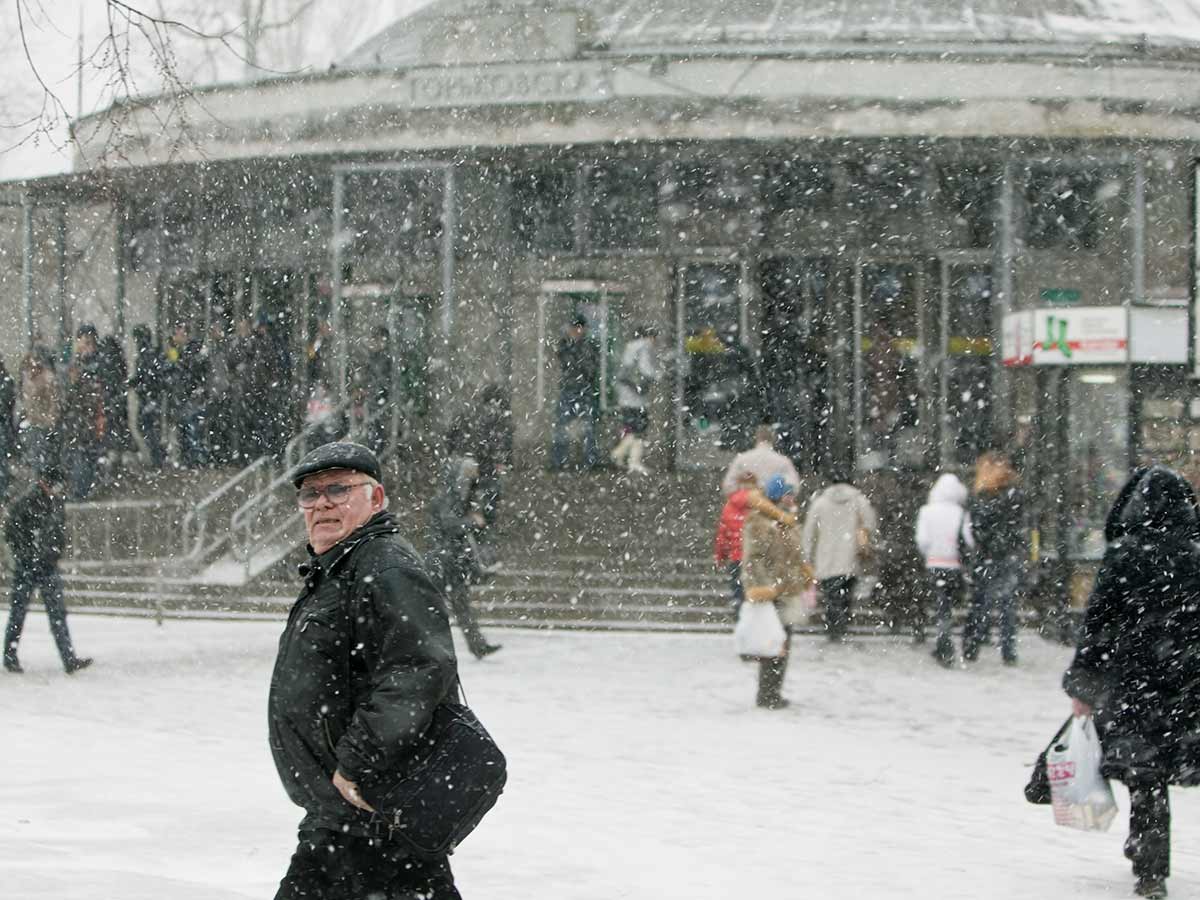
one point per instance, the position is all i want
(1137, 666)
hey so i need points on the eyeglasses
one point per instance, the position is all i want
(336, 493)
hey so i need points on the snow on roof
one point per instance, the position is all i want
(647, 25)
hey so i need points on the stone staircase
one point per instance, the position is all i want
(586, 550)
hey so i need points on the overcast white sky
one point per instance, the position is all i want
(326, 31)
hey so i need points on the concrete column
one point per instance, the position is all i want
(27, 269)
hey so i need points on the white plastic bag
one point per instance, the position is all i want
(759, 632)
(1080, 796)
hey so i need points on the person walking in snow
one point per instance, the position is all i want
(727, 547)
(364, 661)
(1137, 664)
(762, 461)
(578, 393)
(36, 533)
(773, 572)
(839, 528)
(943, 530)
(997, 511)
(454, 525)
(636, 376)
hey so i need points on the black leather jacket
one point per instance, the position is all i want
(364, 660)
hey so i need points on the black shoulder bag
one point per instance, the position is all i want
(444, 786)
(1038, 789)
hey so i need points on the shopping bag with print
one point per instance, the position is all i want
(1079, 795)
(759, 632)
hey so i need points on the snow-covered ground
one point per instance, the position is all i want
(639, 768)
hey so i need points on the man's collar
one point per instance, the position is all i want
(328, 561)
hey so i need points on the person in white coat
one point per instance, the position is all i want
(636, 375)
(943, 531)
(839, 529)
(762, 461)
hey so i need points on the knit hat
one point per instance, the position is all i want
(776, 488)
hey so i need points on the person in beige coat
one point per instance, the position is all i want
(839, 529)
(773, 571)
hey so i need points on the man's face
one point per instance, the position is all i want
(329, 522)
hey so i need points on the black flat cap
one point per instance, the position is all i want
(337, 455)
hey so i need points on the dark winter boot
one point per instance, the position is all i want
(75, 663)
(944, 651)
(770, 683)
(1151, 887)
(11, 664)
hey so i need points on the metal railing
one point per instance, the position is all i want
(121, 532)
(194, 528)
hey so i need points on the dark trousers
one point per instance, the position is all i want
(996, 585)
(50, 586)
(945, 587)
(836, 596)
(736, 592)
(771, 673)
(80, 464)
(570, 412)
(459, 595)
(328, 866)
(1148, 846)
(150, 425)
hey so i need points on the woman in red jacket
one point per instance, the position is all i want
(727, 548)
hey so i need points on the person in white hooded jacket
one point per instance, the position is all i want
(943, 529)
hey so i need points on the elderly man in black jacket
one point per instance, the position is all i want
(364, 660)
(36, 533)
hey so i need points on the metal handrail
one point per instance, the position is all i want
(197, 518)
(114, 506)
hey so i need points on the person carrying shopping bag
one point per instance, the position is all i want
(1136, 668)
(773, 573)
(727, 546)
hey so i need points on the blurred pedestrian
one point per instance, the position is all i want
(454, 524)
(40, 414)
(762, 461)
(773, 572)
(997, 511)
(1136, 663)
(943, 532)
(636, 376)
(484, 432)
(148, 383)
(839, 529)
(114, 383)
(83, 423)
(578, 394)
(36, 535)
(186, 376)
(8, 429)
(727, 547)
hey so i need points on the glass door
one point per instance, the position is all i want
(966, 360)
(717, 402)
(891, 399)
(797, 347)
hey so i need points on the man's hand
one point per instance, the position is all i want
(349, 791)
(1079, 708)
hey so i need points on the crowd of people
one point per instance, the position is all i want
(220, 399)
(197, 402)
(974, 544)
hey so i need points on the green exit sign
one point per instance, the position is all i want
(1060, 295)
